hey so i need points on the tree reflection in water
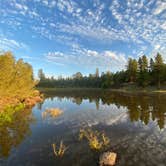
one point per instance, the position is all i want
(141, 106)
(14, 132)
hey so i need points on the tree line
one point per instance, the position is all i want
(141, 72)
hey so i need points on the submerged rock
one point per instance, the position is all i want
(108, 159)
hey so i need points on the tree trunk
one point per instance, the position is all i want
(159, 83)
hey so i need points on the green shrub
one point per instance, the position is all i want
(6, 116)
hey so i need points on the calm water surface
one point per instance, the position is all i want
(135, 124)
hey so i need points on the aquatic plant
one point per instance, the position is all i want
(96, 140)
(105, 139)
(59, 152)
(52, 112)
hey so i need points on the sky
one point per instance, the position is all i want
(66, 36)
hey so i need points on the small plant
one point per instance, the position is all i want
(96, 140)
(60, 151)
(106, 140)
(94, 143)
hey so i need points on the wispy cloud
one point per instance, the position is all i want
(10, 44)
(160, 7)
(86, 58)
(139, 24)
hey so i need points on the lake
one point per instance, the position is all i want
(135, 124)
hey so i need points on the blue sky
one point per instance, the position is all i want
(66, 36)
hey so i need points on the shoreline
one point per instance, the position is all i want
(27, 102)
(148, 90)
(9, 106)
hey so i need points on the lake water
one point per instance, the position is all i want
(135, 124)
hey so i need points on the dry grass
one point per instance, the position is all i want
(59, 152)
(53, 112)
(96, 140)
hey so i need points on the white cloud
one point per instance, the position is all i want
(10, 44)
(139, 22)
(111, 54)
(160, 7)
(157, 47)
(21, 7)
(85, 58)
(45, 2)
(163, 26)
(33, 14)
(92, 53)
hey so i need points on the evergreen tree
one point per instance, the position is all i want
(151, 64)
(77, 75)
(107, 80)
(132, 69)
(97, 72)
(41, 74)
(158, 69)
(143, 74)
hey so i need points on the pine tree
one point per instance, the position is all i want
(97, 72)
(143, 71)
(158, 69)
(41, 75)
(132, 69)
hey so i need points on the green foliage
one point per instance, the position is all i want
(158, 69)
(132, 69)
(41, 74)
(97, 72)
(151, 64)
(77, 75)
(119, 78)
(107, 80)
(7, 115)
(16, 77)
(143, 75)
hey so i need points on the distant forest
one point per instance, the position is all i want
(141, 72)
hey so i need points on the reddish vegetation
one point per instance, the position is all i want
(5, 101)
(29, 101)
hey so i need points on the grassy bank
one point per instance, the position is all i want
(136, 89)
